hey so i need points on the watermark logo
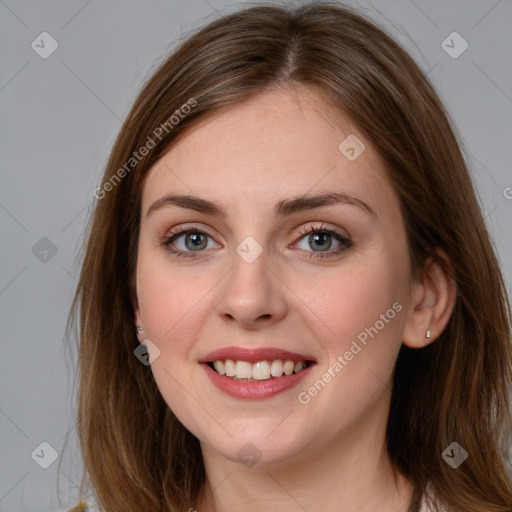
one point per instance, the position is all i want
(44, 250)
(147, 352)
(351, 147)
(44, 45)
(454, 45)
(249, 455)
(454, 455)
(44, 455)
(249, 249)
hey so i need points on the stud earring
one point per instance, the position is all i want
(427, 334)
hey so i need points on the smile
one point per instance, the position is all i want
(258, 371)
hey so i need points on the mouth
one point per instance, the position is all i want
(245, 373)
(259, 371)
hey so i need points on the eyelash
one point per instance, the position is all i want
(345, 242)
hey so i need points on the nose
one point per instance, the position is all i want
(252, 295)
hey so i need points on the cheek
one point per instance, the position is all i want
(166, 297)
(352, 299)
(172, 304)
(359, 312)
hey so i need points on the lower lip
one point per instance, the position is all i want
(255, 390)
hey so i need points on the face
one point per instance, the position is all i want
(302, 302)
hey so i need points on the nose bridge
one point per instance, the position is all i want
(251, 292)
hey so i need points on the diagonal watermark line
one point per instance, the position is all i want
(73, 220)
(210, 492)
(432, 68)
(490, 213)
(177, 177)
(199, 403)
(70, 479)
(86, 494)
(13, 13)
(13, 218)
(79, 420)
(69, 430)
(92, 92)
(5, 85)
(424, 14)
(198, 301)
(13, 279)
(320, 179)
(280, 423)
(378, 378)
(73, 17)
(207, 2)
(492, 81)
(286, 491)
(3, 412)
(485, 15)
(69, 273)
(14, 486)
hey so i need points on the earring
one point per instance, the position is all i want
(427, 334)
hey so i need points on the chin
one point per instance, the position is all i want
(261, 445)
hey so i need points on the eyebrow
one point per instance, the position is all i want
(285, 207)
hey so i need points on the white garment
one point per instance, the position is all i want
(425, 508)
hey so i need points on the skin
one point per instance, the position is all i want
(330, 453)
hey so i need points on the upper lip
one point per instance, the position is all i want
(253, 355)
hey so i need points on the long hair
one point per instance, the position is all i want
(137, 455)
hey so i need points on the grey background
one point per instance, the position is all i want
(59, 119)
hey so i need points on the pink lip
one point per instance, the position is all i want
(254, 390)
(254, 355)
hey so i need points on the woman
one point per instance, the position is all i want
(289, 298)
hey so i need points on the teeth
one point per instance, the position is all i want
(243, 370)
(262, 370)
(289, 366)
(299, 366)
(276, 368)
(229, 366)
(219, 366)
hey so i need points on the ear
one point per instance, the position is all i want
(432, 302)
(138, 318)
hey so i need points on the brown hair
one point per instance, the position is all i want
(137, 455)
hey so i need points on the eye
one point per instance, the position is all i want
(191, 241)
(320, 239)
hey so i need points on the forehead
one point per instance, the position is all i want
(278, 144)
